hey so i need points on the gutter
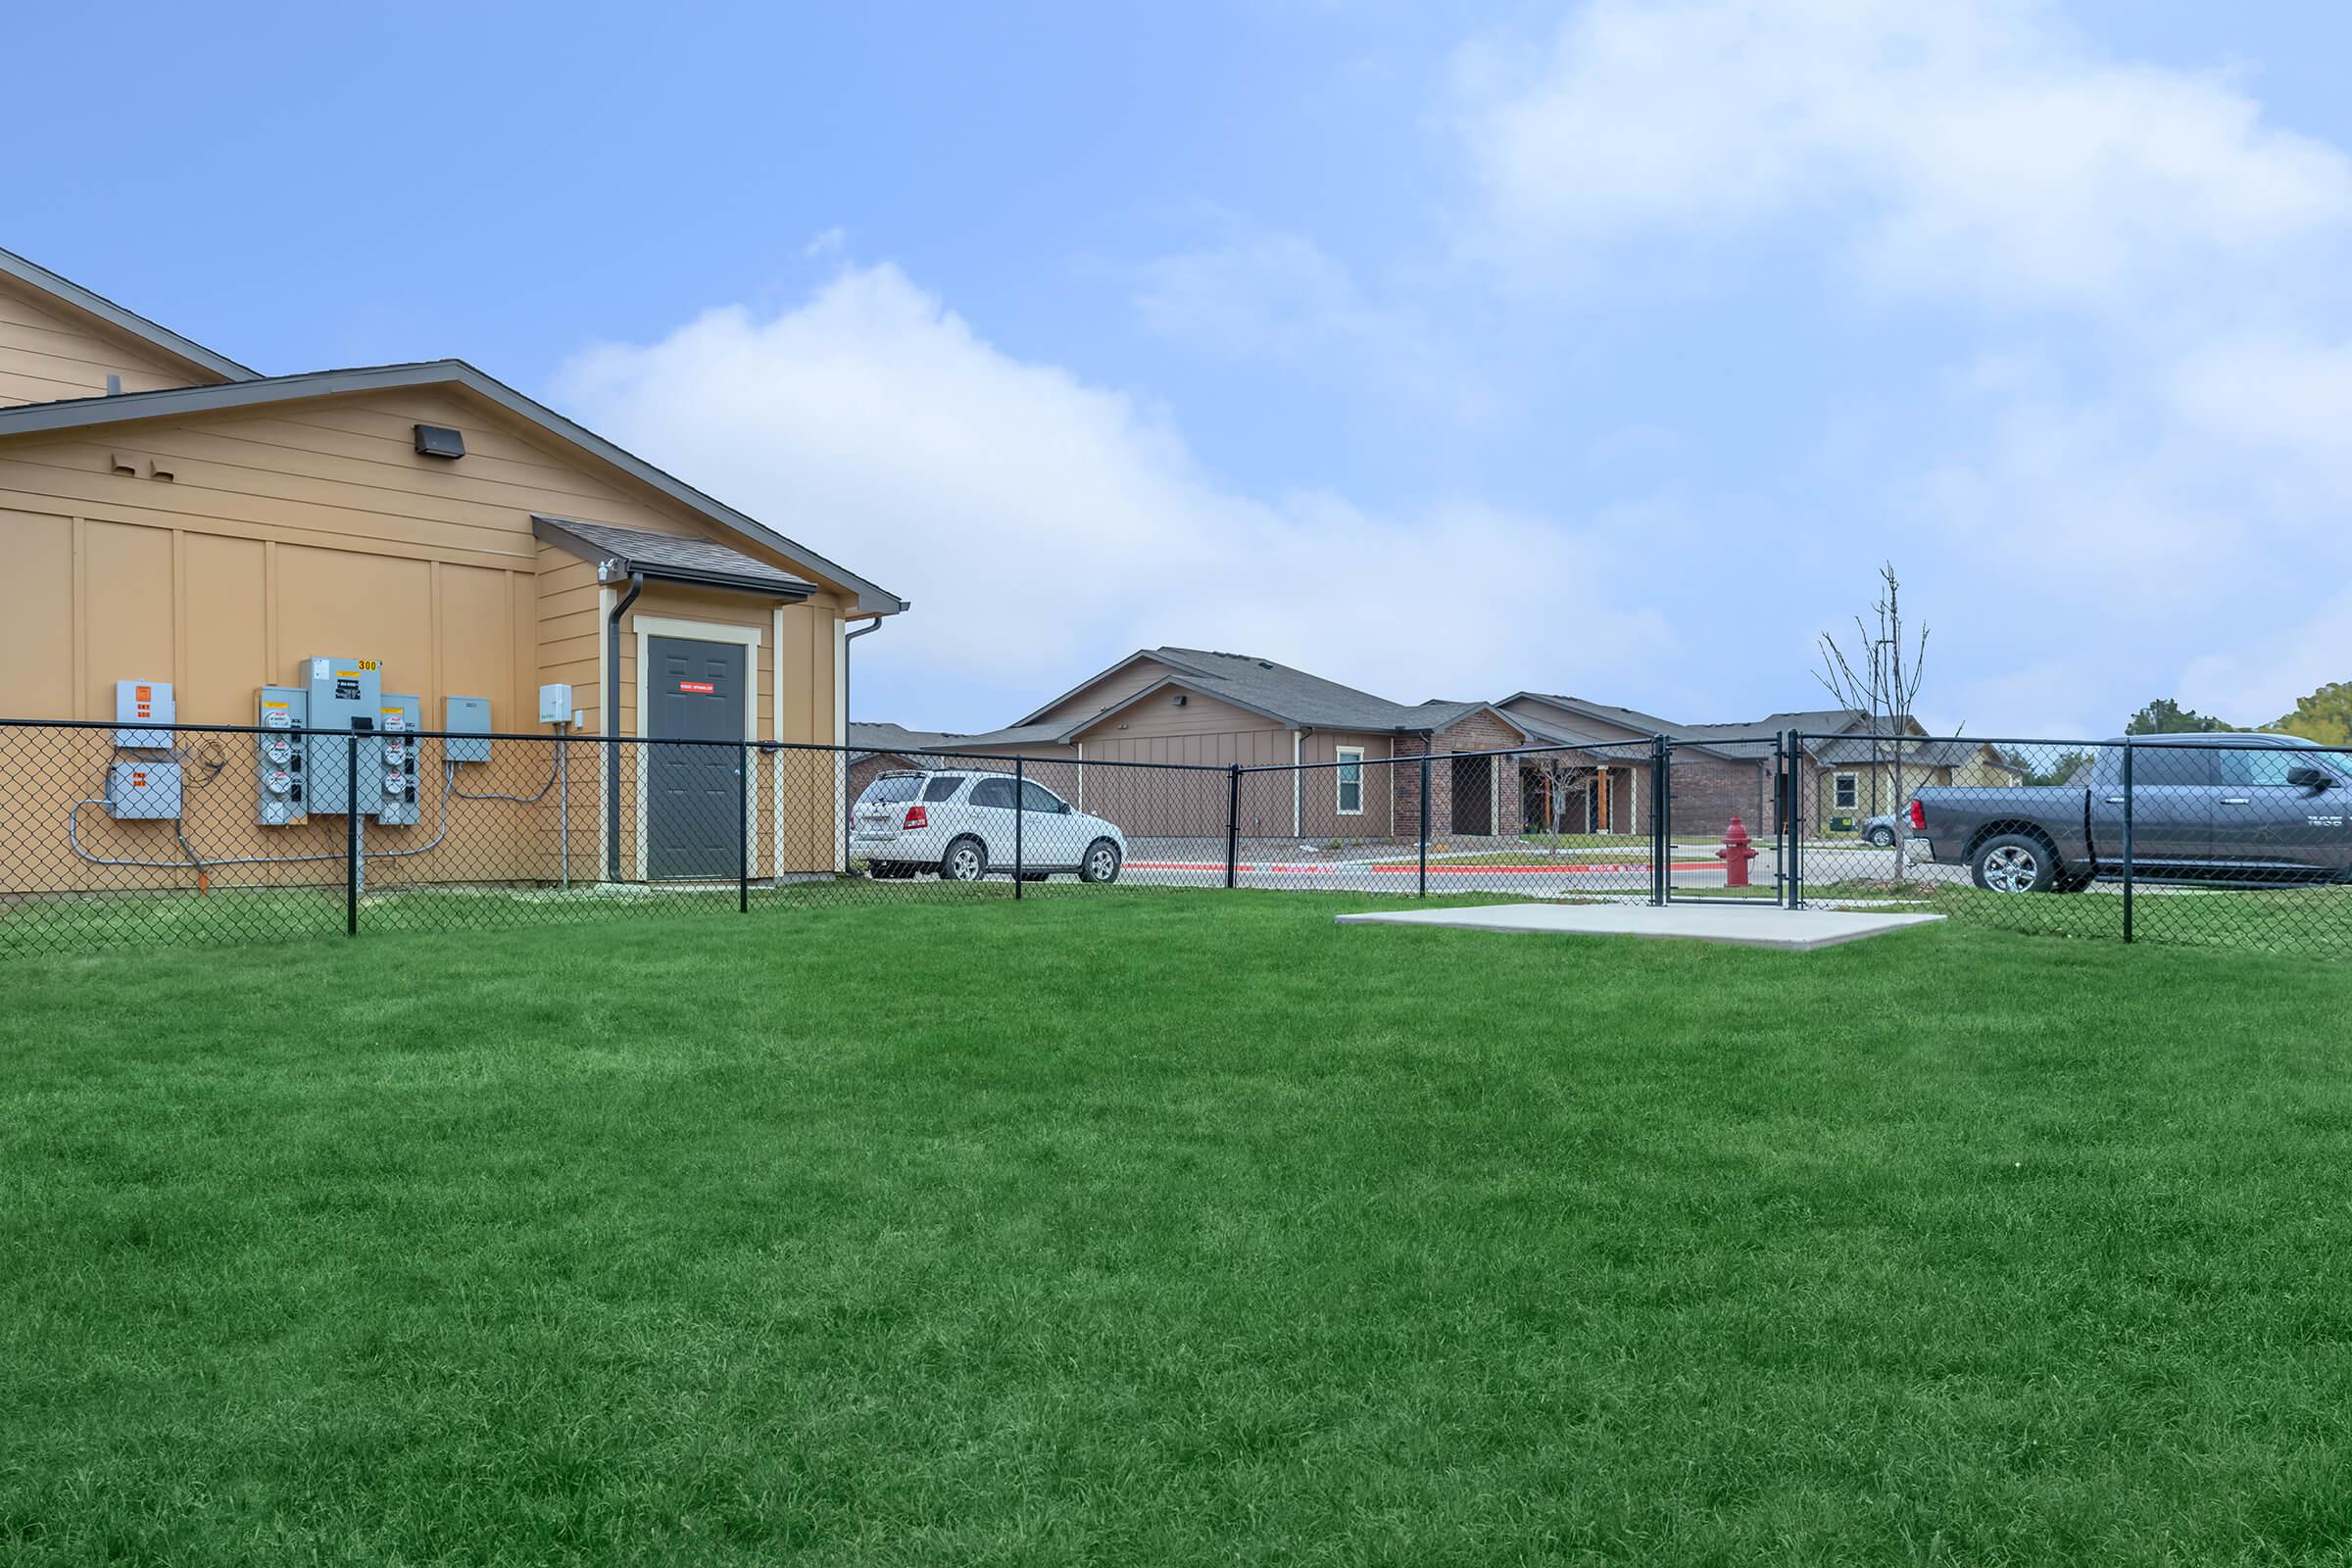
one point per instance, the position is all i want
(847, 638)
(612, 726)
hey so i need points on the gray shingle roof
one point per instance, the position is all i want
(1289, 694)
(898, 738)
(1016, 735)
(672, 556)
(1928, 753)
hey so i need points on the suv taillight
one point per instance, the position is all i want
(916, 818)
(1919, 814)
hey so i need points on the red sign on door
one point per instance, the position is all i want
(702, 686)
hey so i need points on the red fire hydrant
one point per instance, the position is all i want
(1735, 854)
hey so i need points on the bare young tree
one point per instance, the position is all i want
(1879, 675)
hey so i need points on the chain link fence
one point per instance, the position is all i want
(241, 833)
(2228, 840)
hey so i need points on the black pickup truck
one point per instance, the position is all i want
(2240, 808)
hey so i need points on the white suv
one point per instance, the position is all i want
(960, 825)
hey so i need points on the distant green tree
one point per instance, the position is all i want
(2165, 716)
(2326, 715)
(2066, 768)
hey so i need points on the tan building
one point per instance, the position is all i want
(173, 517)
(1855, 779)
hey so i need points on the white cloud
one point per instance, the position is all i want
(2136, 484)
(1263, 294)
(1970, 147)
(1042, 524)
(1269, 294)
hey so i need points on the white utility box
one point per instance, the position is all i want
(142, 791)
(144, 702)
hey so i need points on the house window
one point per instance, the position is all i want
(1848, 790)
(1351, 780)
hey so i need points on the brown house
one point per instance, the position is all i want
(173, 517)
(1361, 778)
(1847, 763)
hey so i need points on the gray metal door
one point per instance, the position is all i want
(694, 692)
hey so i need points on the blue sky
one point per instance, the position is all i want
(1602, 347)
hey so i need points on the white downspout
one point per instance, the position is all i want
(1298, 784)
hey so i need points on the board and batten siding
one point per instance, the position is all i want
(1116, 686)
(304, 530)
(50, 351)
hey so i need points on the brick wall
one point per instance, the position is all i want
(1408, 785)
(1709, 791)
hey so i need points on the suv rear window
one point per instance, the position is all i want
(942, 789)
(891, 790)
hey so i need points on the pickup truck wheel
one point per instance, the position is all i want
(2013, 862)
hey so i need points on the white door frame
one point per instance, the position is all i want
(649, 627)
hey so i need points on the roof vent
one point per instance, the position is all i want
(1180, 699)
(439, 441)
(1262, 664)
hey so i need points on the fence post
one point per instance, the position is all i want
(2127, 869)
(351, 836)
(743, 827)
(1661, 776)
(1657, 846)
(1780, 827)
(1797, 796)
(1020, 817)
(1233, 822)
(1422, 890)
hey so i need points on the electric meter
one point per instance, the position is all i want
(395, 753)
(395, 783)
(284, 712)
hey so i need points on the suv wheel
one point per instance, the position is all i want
(1102, 864)
(967, 861)
(1883, 836)
(2013, 862)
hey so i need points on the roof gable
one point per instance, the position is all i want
(668, 557)
(97, 307)
(1208, 688)
(265, 391)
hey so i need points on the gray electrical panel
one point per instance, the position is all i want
(144, 702)
(142, 791)
(342, 695)
(468, 716)
(398, 720)
(284, 714)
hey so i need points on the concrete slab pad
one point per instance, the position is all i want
(1788, 930)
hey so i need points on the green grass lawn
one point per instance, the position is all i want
(1153, 1228)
